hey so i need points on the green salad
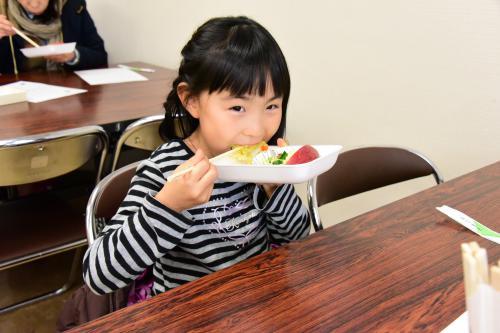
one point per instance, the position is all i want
(279, 159)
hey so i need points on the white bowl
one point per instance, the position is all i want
(52, 49)
(231, 171)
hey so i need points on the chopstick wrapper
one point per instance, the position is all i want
(470, 224)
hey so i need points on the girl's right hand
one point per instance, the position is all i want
(5, 27)
(191, 189)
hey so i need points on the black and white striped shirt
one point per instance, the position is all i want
(238, 222)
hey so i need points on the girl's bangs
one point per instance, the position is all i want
(247, 74)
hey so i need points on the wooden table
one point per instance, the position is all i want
(395, 269)
(103, 104)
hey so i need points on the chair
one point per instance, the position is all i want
(84, 306)
(106, 198)
(40, 225)
(364, 169)
(142, 134)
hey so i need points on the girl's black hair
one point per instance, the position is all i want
(50, 13)
(227, 53)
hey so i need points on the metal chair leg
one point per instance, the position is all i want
(313, 204)
(65, 287)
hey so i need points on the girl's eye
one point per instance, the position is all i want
(272, 107)
(237, 108)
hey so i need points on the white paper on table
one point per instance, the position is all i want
(459, 325)
(41, 92)
(109, 75)
(46, 50)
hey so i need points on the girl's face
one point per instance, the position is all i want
(36, 7)
(227, 120)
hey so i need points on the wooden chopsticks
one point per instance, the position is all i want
(476, 270)
(495, 276)
(180, 173)
(26, 38)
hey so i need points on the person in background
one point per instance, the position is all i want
(232, 89)
(49, 22)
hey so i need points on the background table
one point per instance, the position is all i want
(101, 105)
(395, 269)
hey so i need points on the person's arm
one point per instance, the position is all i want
(142, 231)
(79, 27)
(149, 221)
(287, 217)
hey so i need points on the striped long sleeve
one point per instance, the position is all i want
(181, 247)
(287, 217)
(142, 231)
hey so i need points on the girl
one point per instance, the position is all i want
(232, 88)
(47, 22)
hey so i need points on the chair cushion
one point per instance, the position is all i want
(40, 222)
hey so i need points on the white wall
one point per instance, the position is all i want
(421, 74)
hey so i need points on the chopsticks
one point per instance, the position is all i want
(137, 69)
(476, 271)
(180, 173)
(26, 38)
(482, 286)
(495, 276)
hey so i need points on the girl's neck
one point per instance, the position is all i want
(194, 142)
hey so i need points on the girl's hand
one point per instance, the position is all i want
(5, 27)
(269, 188)
(191, 189)
(281, 142)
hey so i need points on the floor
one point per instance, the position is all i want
(33, 279)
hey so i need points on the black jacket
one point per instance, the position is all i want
(77, 26)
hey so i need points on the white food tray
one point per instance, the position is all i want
(232, 171)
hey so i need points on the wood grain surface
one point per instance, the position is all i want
(102, 104)
(395, 269)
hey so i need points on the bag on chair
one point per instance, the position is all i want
(84, 306)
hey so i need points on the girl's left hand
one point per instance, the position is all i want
(269, 188)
